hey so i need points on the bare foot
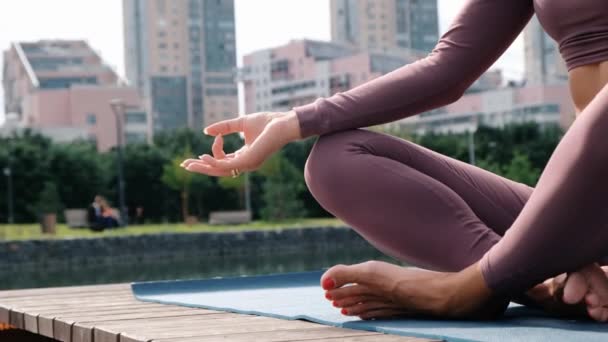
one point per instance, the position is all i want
(590, 285)
(379, 290)
(581, 293)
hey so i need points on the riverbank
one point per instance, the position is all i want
(33, 231)
(55, 262)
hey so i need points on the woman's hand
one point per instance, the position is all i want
(265, 134)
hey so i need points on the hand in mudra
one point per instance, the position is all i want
(265, 134)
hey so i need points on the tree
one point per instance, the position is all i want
(176, 178)
(78, 171)
(27, 154)
(283, 185)
(237, 184)
(49, 201)
(144, 168)
(520, 170)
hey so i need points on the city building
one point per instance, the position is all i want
(543, 104)
(181, 55)
(301, 71)
(295, 74)
(543, 62)
(386, 25)
(63, 89)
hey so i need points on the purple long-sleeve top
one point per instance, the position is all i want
(480, 33)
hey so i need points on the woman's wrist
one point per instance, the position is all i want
(290, 125)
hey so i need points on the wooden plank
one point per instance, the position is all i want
(193, 333)
(314, 331)
(57, 291)
(37, 301)
(30, 322)
(239, 324)
(17, 316)
(4, 314)
(31, 317)
(62, 323)
(177, 327)
(16, 319)
(372, 338)
(61, 327)
(84, 331)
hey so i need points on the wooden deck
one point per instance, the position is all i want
(110, 313)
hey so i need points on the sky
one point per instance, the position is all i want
(259, 24)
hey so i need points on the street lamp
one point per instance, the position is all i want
(9, 193)
(475, 124)
(118, 107)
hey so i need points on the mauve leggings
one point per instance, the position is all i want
(436, 212)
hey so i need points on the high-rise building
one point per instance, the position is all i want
(544, 64)
(299, 72)
(386, 25)
(181, 54)
(63, 89)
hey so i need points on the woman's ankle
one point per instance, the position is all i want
(470, 297)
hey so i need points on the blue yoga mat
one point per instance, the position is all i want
(299, 296)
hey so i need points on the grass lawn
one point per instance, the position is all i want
(32, 231)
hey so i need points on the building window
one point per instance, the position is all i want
(135, 118)
(136, 137)
(91, 119)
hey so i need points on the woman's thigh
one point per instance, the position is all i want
(496, 200)
(411, 202)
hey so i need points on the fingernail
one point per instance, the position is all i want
(334, 303)
(328, 295)
(344, 312)
(328, 284)
(205, 131)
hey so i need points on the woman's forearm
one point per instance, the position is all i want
(479, 35)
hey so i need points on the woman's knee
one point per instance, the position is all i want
(329, 162)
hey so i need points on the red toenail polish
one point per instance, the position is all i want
(327, 295)
(344, 312)
(328, 284)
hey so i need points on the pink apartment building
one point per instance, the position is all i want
(63, 89)
(301, 71)
(543, 104)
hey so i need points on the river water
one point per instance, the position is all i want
(184, 268)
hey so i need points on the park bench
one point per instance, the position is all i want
(230, 217)
(77, 218)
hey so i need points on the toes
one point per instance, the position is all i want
(341, 275)
(360, 309)
(348, 291)
(354, 300)
(575, 288)
(599, 314)
(598, 283)
(592, 300)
